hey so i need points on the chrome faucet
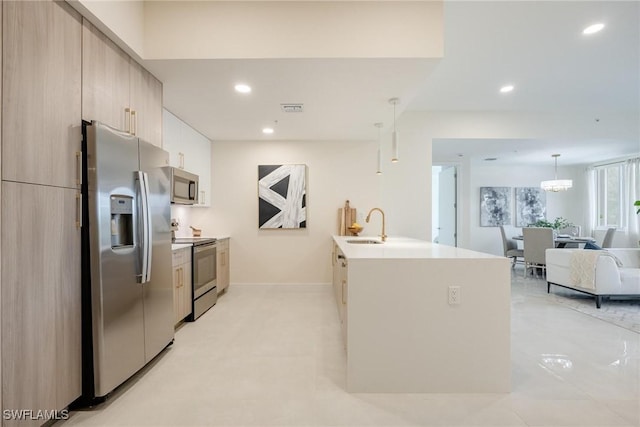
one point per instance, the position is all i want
(383, 236)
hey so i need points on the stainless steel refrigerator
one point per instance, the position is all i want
(127, 277)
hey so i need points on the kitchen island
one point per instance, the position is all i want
(420, 317)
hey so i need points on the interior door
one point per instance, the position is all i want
(447, 227)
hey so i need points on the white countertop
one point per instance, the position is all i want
(176, 246)
(403, 247)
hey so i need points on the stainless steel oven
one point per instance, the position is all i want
(205, 293)
(203, 273)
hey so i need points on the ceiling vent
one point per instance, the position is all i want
(292, 108)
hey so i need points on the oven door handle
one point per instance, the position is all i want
(205, 247)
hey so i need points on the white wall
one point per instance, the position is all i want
(566, 204)
(122, 21)
(336, 171)
(293, 29)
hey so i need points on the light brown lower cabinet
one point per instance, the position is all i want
(182, 291)
(222, 265)
(41, 319)
(341, 288)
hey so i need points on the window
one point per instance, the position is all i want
(610, 196)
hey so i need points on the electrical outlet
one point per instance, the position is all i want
(454, 295)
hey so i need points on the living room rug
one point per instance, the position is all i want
(621, 312)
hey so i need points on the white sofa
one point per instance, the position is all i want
(595, 272)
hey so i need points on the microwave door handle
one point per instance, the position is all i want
(149, 243)
(142, 223)
(192, 190)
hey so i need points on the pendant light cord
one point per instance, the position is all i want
(394, 116)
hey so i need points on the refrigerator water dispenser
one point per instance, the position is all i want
(121, 222)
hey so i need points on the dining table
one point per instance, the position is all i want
(561, 240)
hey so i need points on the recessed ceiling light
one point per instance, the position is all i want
(242, 88)
(506, 88)
(591, 29)
(267, 131)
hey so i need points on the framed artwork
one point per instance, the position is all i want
(495, 206)
(531, 205)
(282, 196)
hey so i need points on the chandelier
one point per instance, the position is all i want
(556, 184)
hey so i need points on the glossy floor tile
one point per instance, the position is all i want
(273, 356)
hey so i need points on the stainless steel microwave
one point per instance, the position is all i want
(184, 187)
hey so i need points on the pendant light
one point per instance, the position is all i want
(394, 135)
(556, 184)
(379, 169)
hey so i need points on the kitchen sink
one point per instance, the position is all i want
(364, 241)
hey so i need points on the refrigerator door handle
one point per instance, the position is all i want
(144, 245)
(149, 242)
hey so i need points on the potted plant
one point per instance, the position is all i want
(637, 203)
(557, 224)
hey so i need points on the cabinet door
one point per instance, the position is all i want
(105, 79)
(1, 314)
(344, 298)
(222, 270)
(338, 260)
(177, 293)
(41, 320)
(171, 128)
(222, 265)
(42, 93)
(146, 104)
(196, 149)
(187, 289)
(200, 160)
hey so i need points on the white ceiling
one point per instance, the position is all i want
(537, 46)
(342, 98)
(533, 152)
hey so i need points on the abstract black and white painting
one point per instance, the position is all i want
(531, 205)
(282, 196)
(495, 206)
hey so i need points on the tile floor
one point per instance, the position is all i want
(273, 356)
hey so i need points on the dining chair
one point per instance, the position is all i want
(572, 230)
(536, 240)
(510, 248)
(608, 238)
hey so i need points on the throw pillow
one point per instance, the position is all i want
(590, 245)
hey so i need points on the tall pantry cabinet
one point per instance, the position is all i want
(56, 71)
(40, 249)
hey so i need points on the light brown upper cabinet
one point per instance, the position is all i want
(116, 90)
(146, 104)
(105, 79)
(41, 102)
